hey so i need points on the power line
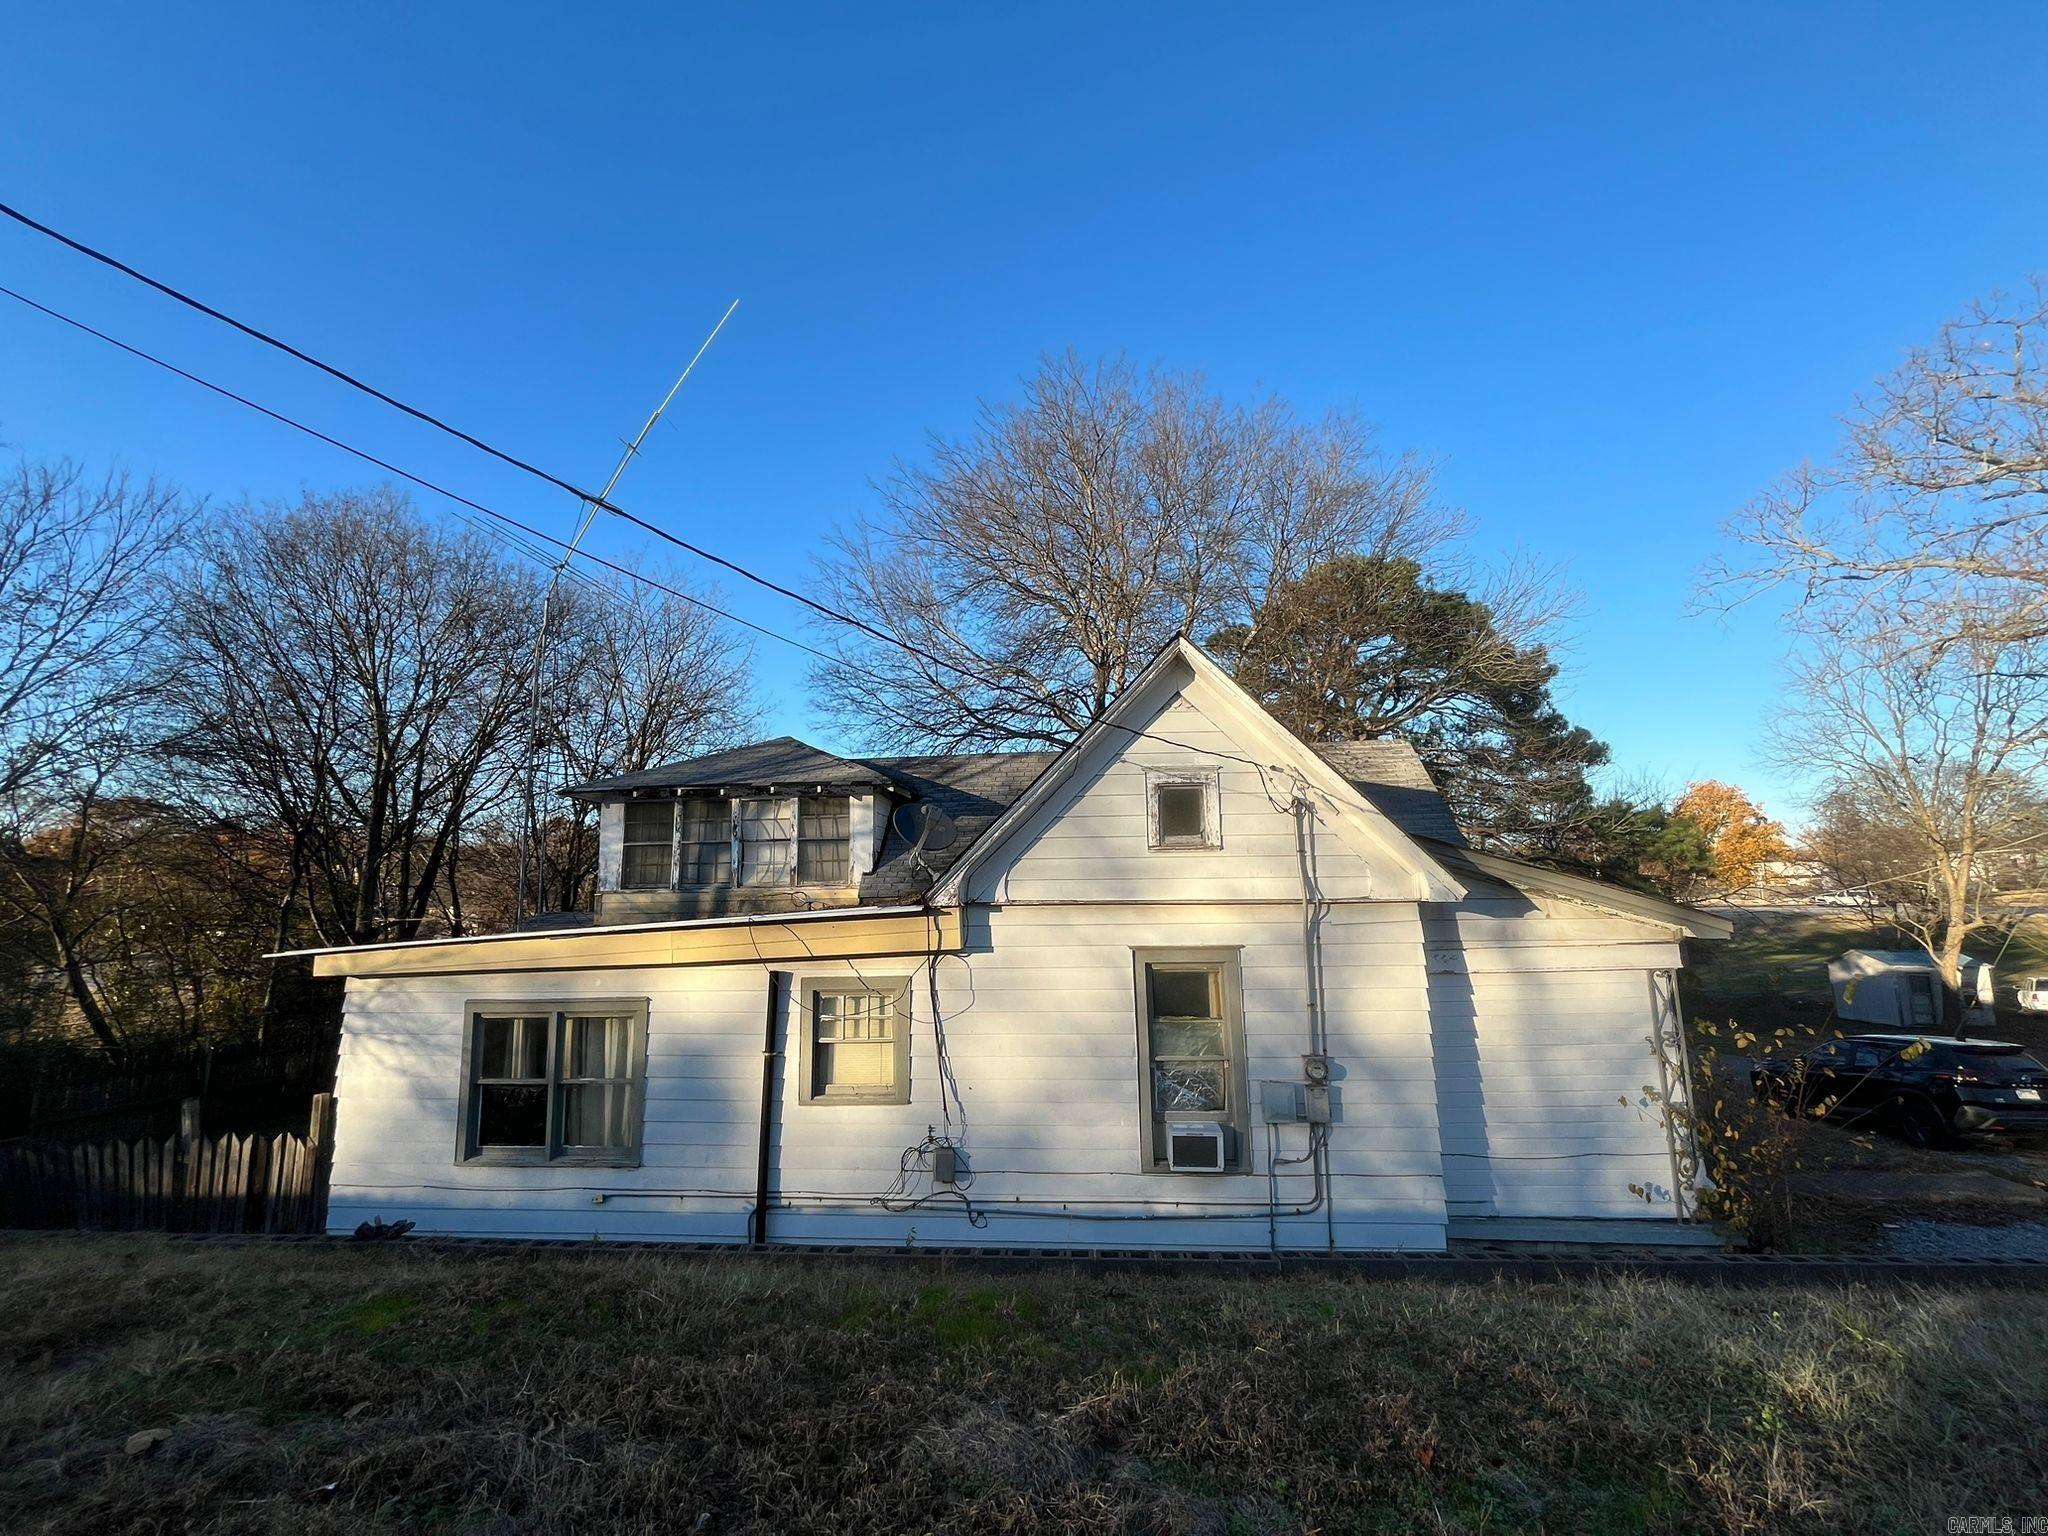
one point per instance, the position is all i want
(424, 483)
(528, 529)
(591, 498)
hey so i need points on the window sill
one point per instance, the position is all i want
(851, 1100)
(501, 1159)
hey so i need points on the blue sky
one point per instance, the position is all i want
(1616, 266)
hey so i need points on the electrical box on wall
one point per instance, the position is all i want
(945, 1165)
(1282, 1103)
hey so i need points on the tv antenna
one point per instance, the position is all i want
(529, 828)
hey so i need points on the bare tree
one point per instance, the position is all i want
(76, 555)
(350, 675)
(1937, 506)
(1931, 758)
(636, 677)
(1044, 558)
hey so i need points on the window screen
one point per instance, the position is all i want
(647, 844)
(704, 844)
(823, 848)
(1180, 812)
(1182, 807)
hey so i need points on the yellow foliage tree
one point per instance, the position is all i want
(1739, 835)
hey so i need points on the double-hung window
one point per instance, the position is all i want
(1191, 1047)
(553, 1082)
(647, 851)
(856, 1041)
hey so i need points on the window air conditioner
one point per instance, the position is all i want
(1197, 1147)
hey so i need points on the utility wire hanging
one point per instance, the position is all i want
(509, 522)
(529, 832)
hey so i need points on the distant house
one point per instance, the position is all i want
(1188, 984)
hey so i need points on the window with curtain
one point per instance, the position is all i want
(554, 1082)
(648, 844)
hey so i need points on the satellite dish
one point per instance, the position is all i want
(925, 827)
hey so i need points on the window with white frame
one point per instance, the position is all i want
(647, 846)
(1183, 808)
(856, 1041)
(548, 1082)
(765, 844)
(1191, 1046)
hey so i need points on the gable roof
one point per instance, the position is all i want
(1354, 814)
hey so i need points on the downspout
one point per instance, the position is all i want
(771, 1057)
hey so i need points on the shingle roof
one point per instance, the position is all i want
(973, 788)
(782, 761)
(1389, 773)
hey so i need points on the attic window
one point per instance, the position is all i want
(647, 844)
(751, 840)
(1183, 808)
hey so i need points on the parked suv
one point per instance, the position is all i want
(1926, 1088)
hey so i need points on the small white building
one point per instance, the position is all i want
(1902, 989)
(1188, 984)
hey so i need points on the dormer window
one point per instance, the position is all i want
(647, 851)
(704, 846)
(1183, 808)
(758, 842)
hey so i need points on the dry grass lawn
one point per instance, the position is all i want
(392, 1388)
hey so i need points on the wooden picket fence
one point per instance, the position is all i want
(183, 1183)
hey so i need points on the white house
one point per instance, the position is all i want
(1187, 984)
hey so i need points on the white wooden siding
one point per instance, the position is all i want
(1090, 842)
(1042, 1031)
(1542, 1043)
(1480, 1053)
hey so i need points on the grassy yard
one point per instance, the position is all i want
(395, 1388)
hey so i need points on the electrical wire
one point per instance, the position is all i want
(584, 497)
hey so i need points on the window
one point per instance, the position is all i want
(1183, 808)
(553, 1082)
(704, 846)
(856, 1041)
(767, 841)
(823, 844)
(1190, 1046)
(648, 845)
(759, 841)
